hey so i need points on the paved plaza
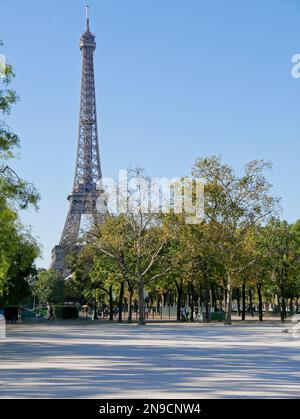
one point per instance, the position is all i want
(97, 360)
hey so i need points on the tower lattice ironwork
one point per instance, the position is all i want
(82, 199)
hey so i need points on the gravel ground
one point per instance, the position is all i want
(97, 360)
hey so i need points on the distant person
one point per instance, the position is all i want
(14, 317)
(187, 314)
(106, 312)
(20, 315)
(85, 309)
(183, 314)
(116, 311)
(51, 313)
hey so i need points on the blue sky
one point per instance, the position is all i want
(175, 80)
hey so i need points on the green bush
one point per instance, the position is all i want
(58, 312)
(65, 313)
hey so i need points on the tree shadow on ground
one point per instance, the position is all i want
(91, 362)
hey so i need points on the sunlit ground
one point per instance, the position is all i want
(96, 360)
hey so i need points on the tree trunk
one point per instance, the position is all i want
(238, 302)
(206, 284)
(282, 304)
(225, 295)
(95, 306)
(130, 291)
(199, 302)
(228, 301)
(111, 304)
(121, 298)
(260, 303)
(213, 297)
(179, 300)
(142, 320)
(251, 302)
(244, 300)
(267, 305)
(192, 299)
(291, 305)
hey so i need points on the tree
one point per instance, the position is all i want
(233, 206)
(49, 287)
(95, 275)
(134, 241)
(15, 284)
(280, 243)
(134, 247)
(14, 192)
(12, 187)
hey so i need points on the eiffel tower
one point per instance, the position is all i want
(82, 199)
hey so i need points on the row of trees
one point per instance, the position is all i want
(239, 253)
(18, 249)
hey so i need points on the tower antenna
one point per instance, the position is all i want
(87, 12)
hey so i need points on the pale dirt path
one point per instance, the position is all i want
(77, 360)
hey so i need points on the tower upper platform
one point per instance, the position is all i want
(87, 38)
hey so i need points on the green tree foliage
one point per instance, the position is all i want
(280, 245)
(17, 288)
(12, 187)
(49, 287)
(17, 248)
(234, 205)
